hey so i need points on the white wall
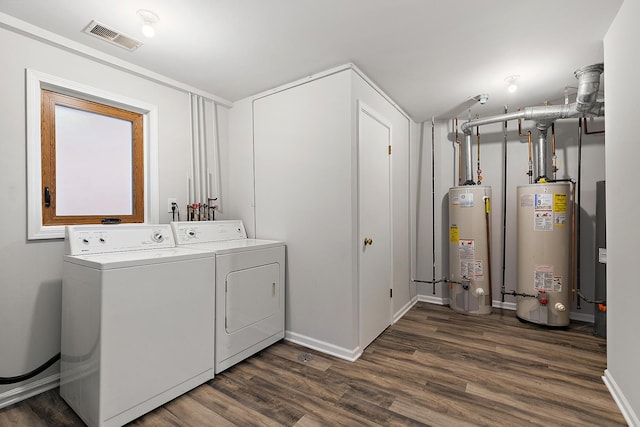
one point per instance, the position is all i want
(322, 305)
(30, 272)
(622, 61)
(492, 164)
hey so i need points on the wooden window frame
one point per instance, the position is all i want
(35, 82)
(49, 102)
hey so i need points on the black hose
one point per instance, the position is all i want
(38, 370)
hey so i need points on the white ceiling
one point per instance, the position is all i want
(429, 56)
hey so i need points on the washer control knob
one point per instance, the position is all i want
(157, 237)
(191, 233)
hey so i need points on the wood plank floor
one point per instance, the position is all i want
(433, 367)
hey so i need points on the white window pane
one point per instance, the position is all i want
(94, 171)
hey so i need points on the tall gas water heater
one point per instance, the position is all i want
(544, 253)
(469, 250)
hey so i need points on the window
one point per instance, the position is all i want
(91, 155)
(92, 162)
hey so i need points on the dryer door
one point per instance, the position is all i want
(250, 288)
(252, 294)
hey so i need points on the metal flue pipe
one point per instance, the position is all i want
(588, 85)
(542, 150)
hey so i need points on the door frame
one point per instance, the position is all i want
(364, 108)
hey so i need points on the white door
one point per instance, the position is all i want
(374, 140)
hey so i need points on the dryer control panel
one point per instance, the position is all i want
(96, 239)
(187, 232)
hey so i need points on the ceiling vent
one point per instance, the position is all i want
(112, 36)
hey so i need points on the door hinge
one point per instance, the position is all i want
(390, 293)
(389, 150)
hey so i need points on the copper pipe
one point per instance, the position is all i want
(528, 134)
(459, 155)
(586, 130)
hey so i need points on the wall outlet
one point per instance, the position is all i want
(170, 202)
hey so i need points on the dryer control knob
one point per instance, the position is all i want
(157, 237)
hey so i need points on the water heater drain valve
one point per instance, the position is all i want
(560, 307)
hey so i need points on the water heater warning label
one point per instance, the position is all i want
(454, 235)
(470, 267)
(543, 213)
(544, 280)
(560, 203)
(543, 221)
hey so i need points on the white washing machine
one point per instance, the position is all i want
(137, 316)
(249, 283)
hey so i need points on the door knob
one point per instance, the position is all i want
(368, 241)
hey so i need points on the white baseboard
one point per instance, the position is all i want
(433, 300)
(324, 347)
(404, 309)
(504, 305)
(623, 404)
(26, 391)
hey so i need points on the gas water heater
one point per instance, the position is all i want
(544, 253)
(469, 249)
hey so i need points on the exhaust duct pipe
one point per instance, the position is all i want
(588, 86)
(586, 103)
(542, 150)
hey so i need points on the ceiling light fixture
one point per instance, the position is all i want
(149, 19)
(512, 83)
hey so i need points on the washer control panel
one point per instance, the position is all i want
(187, 232)
(95, 239)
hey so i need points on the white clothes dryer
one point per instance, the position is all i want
(249, 283)
(137, 316)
